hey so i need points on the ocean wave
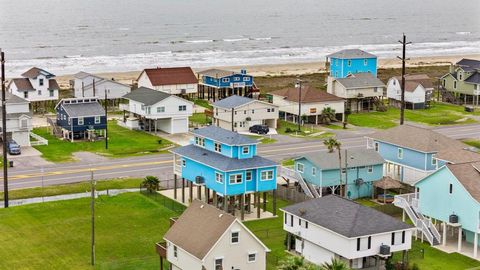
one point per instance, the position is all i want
(463, 33)
(201, 41)
(235, 39)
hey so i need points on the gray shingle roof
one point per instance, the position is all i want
(219, 161)
(84, 109)
(232, 102)
(351, 54)
(469, 64)
(345, 217)
(357, 157)
(224, 136)
(146, 96)
(475, 78)
(360, 80)
(11, 98)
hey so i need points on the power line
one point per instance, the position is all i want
(402, 105)
(4, 132)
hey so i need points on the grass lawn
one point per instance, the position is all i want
(202, 103)
(262, 139)
(437, 114)
(288, 162)
(122, 142)
(474, 143)
(289, 128)
(200, 118)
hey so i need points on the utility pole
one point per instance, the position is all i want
(402, 105)
(92, 206)
(4, 133)
(298, 85)
(106, 121)
(233, 119)
(346, 174)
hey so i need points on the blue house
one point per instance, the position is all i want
(351, 61)
(220, 83)
(227, 164)
(322, 171)
(411, 153)
(80, 118)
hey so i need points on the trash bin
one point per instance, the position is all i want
(10, 163)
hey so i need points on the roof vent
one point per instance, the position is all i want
(302, 211)
(204, 154)
(221, 215)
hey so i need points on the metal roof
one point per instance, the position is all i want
(357, 157)
(224, 136)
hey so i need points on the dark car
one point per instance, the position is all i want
(259, 129)
(13, 148)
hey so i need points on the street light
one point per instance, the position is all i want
(298, 85)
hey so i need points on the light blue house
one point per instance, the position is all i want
(220, 83)
(351, 61)
(412, 153)
(225, 163)
(322, 171)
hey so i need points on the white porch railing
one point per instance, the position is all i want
(39, 140)
(288, 173)
(123, 107)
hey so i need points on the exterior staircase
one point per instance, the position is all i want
(448, 96)
(307, 188)
(409, 203)
(55, 129)
(379, 104)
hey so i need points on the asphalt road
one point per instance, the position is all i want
(161, 165)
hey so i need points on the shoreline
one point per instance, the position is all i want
(128, 77)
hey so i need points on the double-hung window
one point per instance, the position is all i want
(236, 178)
(252, 257)
(248, 176)
(314, 171)
(219, 177)
(245, 150)
(80, 121)
(266, 175)
(400, 153)
(182, 108)
(219, 264)
(160, 109)
(235, 237)
(218, 147)
(300, 167)
(97, 119)
(370, 169)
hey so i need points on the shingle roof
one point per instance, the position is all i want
(23, 84)
(34, 72)
(469, 64)
(351, 54)
(308, 95)
(412, 81)
(345, 217)
(360, 80)
(53, 85)
(147, 96)
(221, 162)
(475, 78)
(169, 76)
(199, 228)
(357, 157)
(224, 136)
(232, 102)
(217, 73)
(11, 98)
(83, 109)
(469, 176)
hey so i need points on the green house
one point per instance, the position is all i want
(463, 81)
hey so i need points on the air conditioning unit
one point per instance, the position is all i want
(453, 218)
(199, 180)
(359, 181)
(384, 250)
(183, 91)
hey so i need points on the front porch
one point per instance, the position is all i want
(454, 240)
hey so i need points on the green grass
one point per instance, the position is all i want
(474, 143)
(263, 139)
(72, 188)
(202, 103)
(122, 142)
(306, 132)
(200, 118)
(288, 162)
(437, 114)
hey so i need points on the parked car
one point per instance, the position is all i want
(259, 129)
(13, 148)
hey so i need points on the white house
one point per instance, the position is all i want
(206, 238)
(418, 91)
(35, 85)
(175, 81)
(153, 110)
(312, 100)
(333, 227)
(90, 85)
(362, 91)
(19, 119)
(243, 112)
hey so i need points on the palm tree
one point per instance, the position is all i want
(296, 263)
(335, 264)
(332, 144)
(327, 115)
(151, 183)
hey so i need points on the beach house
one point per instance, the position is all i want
(89, 85)
(153, 110)
(411, 152)
(351, 61)
(418, 91)
(239, 113)
(462, 82)
(227, 164)
(312, 103)
(174, 80)
(215, 84)
(81, 118)
(35, 85)
(354, 173)
(333, 227)
(19, 119)
(206, 238)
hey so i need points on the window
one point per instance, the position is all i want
(400, 153)
(393, 239)
(306, 224)
(40, 82)
(434, 160)
(225, 80)
(235, 237)
(314, 171)
(219, 177)
(25, 94)
(246, 79)
(182, 108)
(236, 178)
(369, 242)
(24, 123)
(291, 220)
(97, 119)
(252, 257)
(444, 82)
(245, 112)
(450, 188)
(460, 76)
(394, 82)
(403, 237)
(358, 244)
(454, 84)
(248, 176)
(299, 222)
(376, 146)
(235, 112)
(80, 121)
(160, 109)
(370, 169)
(266, 175)
(200, 141)
(236, 79)
(285, 218)
(349, 63)
(51, 93)
(218, 147)
(142, 107)
(300, 167)
(365, 62)
(245, 150)
(253, 111)
(175, 252)
(268, 109)
(184, 162)
(219, 264)
(39, 92)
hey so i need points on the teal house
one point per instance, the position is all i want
(355, 176)
(351, 61)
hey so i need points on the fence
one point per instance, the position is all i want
(39, 140)
(291, 194)
(164, 201)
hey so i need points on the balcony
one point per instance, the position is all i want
(161, 248)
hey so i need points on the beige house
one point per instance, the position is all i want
(174, 80)
(243, 112)
(312, 100)
(206, 238)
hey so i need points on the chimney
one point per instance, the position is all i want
(452, 68)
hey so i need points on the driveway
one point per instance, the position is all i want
(30, 157)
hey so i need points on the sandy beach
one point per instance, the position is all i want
(129, 77)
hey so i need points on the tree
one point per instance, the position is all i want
(327, 115)
(296, 263)
(151, 183)
(335, 264)
(332, 144)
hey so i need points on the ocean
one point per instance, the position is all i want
(66, 36)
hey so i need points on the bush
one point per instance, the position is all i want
(289, 130)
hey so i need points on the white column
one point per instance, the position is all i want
(459, 239)
(475, 245)
(444, 234)
(403, 215)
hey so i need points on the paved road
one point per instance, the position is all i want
(161, 165)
